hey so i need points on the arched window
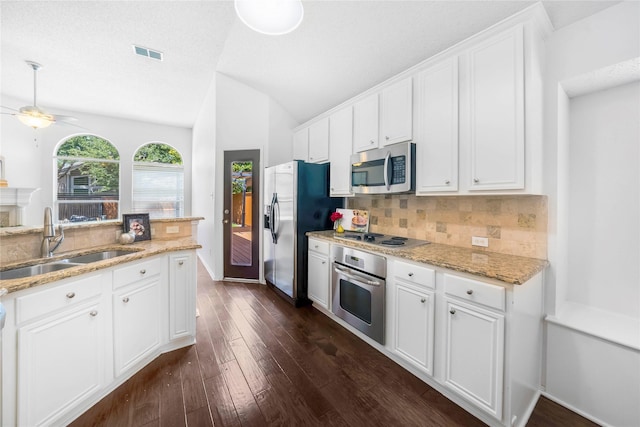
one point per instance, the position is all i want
(158, 181)
(88, 179)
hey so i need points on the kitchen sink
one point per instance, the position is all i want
(34, 270)
(98, 256)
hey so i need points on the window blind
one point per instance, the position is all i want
(158, 189)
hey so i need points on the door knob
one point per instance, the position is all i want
(226, 211)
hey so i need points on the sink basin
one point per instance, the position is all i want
(98, 256)
(34, 270)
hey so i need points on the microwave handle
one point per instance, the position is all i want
(387, 170)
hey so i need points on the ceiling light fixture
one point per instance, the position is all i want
(271, 17)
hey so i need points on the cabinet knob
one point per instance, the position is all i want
(422, 300)
(324, 262)
(470, 291)
(447, 182)
(452, 311)
(143, 271)
(333, 189)
(476, 180)
(386, 137)
(372, 142)
(310, 158)
(125, 299)
(410, 274)
(93, 313)
(180, 262)
(71, 295)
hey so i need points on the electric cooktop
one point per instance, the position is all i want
(381, 240)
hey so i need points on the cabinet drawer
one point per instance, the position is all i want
(319, 246)
(474, 291)
(140, 270)
(31, 306)
(415, 274)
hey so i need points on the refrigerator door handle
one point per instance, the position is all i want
(275, 218)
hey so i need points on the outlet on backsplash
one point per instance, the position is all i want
(514, 225)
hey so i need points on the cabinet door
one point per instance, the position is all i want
(340, 148)
(61, 361)
(496, 112)
(301, 145)
(137, 314)
(414, 325)
(475, 354)
(365, 124)
(319, 141)
(318, 280)
(396, 113)
(436, 132)
(182, 296)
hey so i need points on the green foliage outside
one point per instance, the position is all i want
(240, 169)
(158, 153)
(105, 176)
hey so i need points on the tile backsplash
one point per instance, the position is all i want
(514, 225)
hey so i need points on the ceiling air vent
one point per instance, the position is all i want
(146, 52)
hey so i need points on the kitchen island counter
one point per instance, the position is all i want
(138, 250)
(510, 269)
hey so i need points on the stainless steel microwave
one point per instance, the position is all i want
(385, 170)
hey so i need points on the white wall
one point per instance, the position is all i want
(580, 371)
(604, 200)
(601, 40)
(233, 117)
(204, 158)
(281, 125)
(28, 165)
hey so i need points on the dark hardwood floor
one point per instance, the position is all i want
(260, 362)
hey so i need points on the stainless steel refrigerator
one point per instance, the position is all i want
(298, 201)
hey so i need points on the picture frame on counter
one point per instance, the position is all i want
(138, 224)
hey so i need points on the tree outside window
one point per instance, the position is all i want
(88, 177)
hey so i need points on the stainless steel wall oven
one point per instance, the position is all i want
(358, 285)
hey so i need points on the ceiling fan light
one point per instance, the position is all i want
(271, 17)
(35, 118)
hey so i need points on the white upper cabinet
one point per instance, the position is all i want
(319, 141)
(301, 145)
(496, 121)
(365, 124)
(340, 148)
(396, 113)
(436, 128)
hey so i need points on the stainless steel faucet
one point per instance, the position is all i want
(49, 235)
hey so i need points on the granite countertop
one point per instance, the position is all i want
(139, 250)
(511, 269)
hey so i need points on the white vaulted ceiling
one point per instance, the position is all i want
(340, 49)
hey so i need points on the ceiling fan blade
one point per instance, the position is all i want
(65, 119)
(69, 124)
(8, 108)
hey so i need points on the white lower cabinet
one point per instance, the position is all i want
(136, 322)
(60, 359)
(182, 295)
(474, 354)
(318, 281)
(70, 342)
(414, 325)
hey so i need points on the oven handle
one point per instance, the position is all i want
(387, 175)
(357, 277)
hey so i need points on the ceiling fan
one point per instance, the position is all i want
(34, 116)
